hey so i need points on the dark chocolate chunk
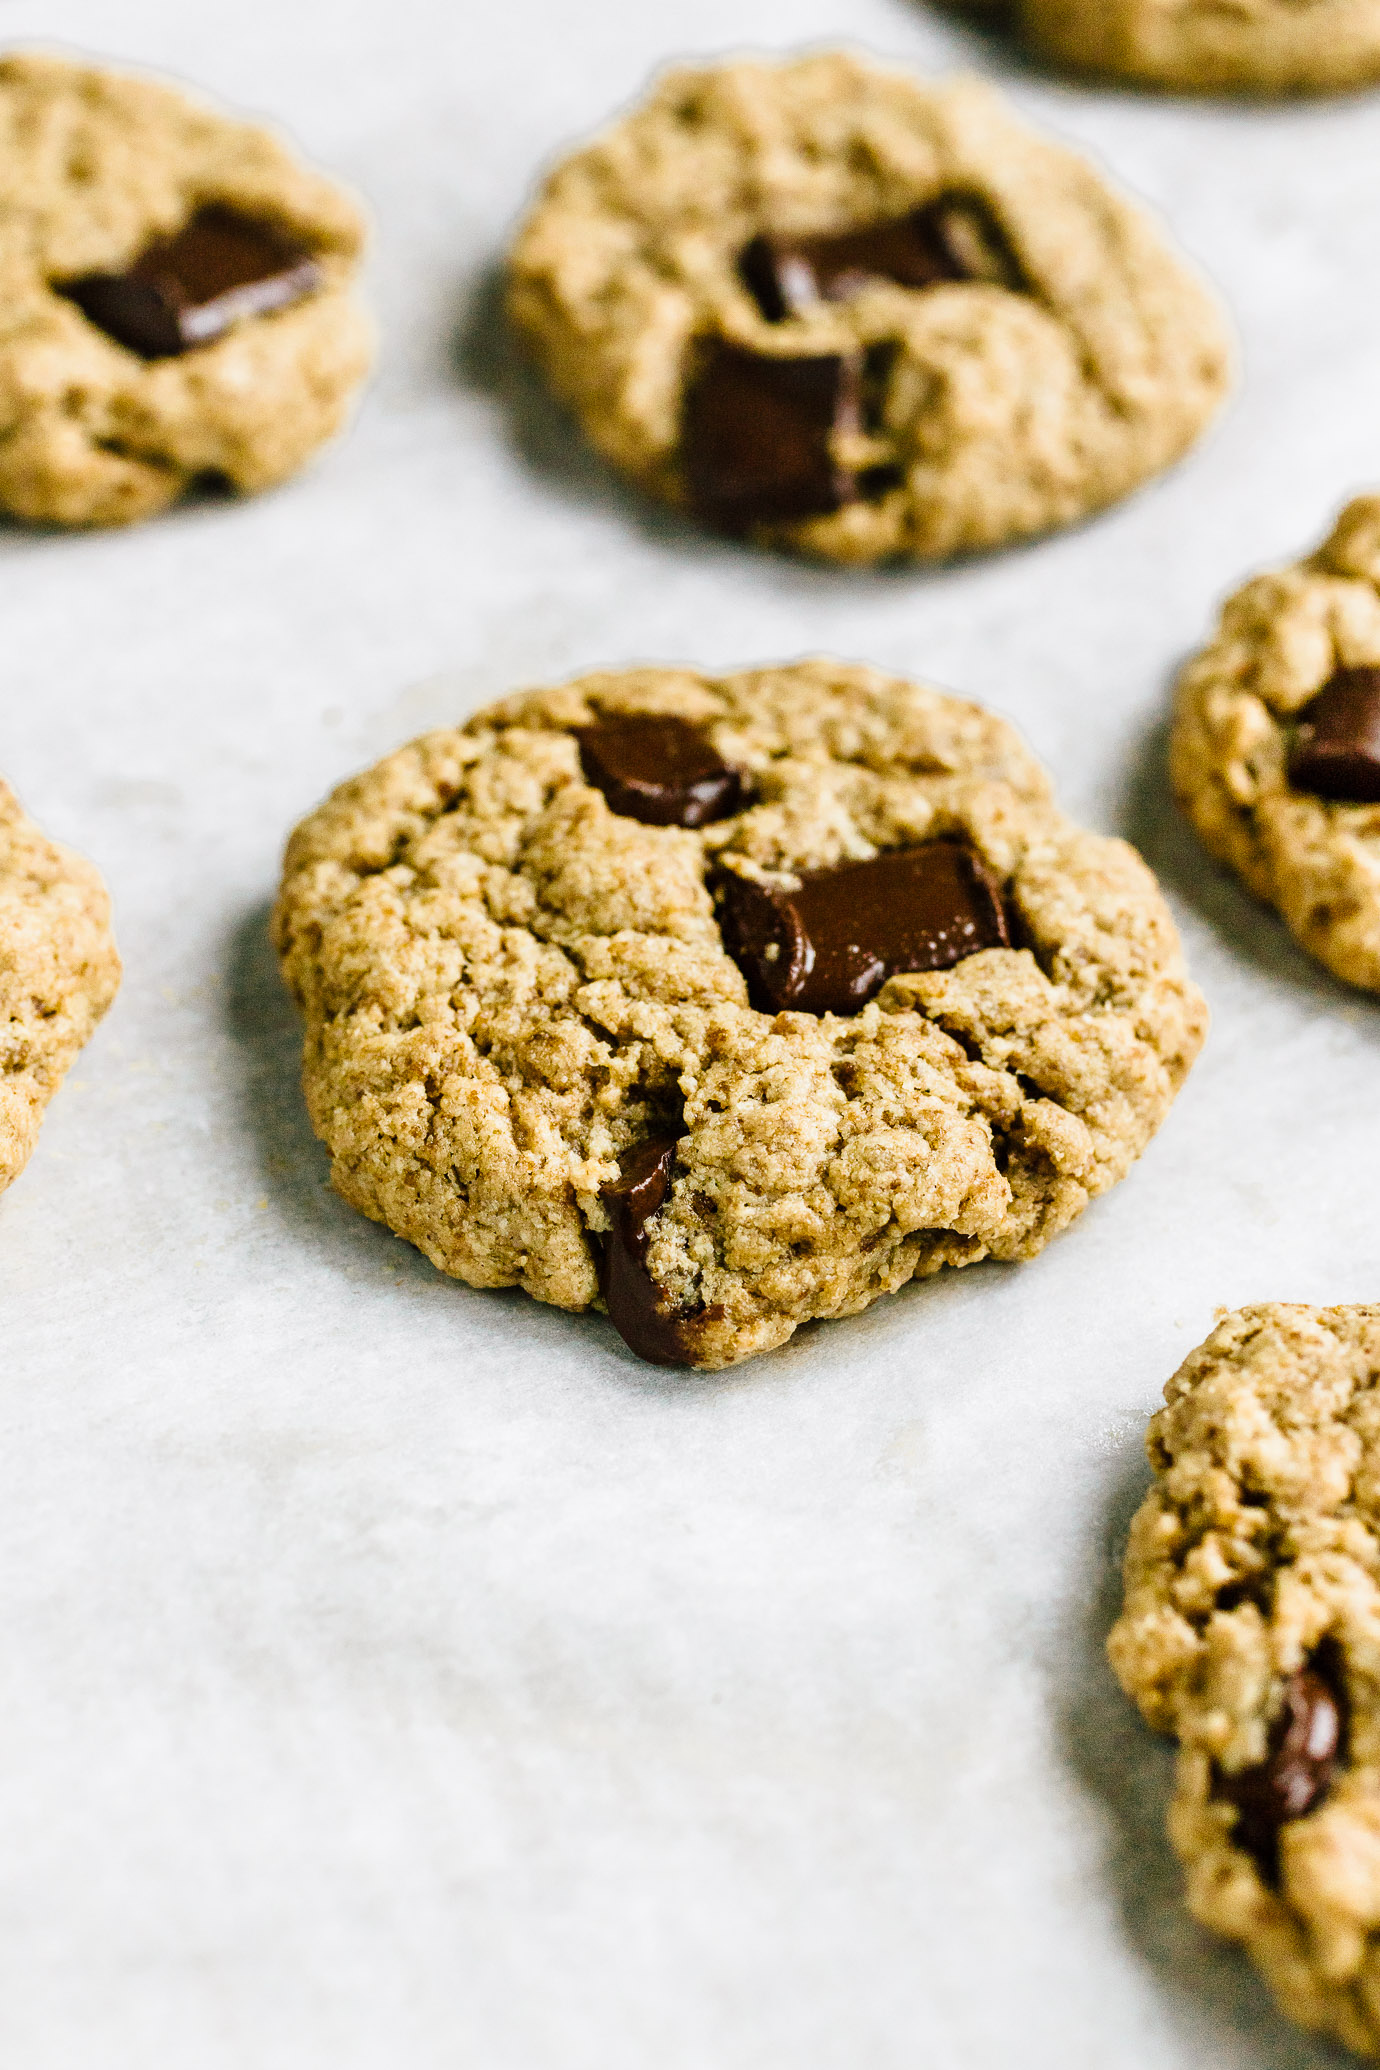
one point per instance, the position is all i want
(189, 289)
(831, 945)
(1297, 1772)
(757, 435)
(954, 238)
(638, 1308)
(1336, 750)
(660, 770)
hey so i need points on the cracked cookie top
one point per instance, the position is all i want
(125, 205)
(829, 305)
(58, 974)
(1200, 46)
(1275, 752)
(1251, 1631)
(519, 999)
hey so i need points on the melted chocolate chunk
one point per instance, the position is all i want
(1336, 750)
(189, 289)
(831, 945)
(638, 1307)
(1297, 1772)
(757, 435)
(660, 770)
(954, 238)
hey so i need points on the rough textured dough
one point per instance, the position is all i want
(1260, 1540)
(94, 166)
(1281, 638)
(1006, 414)
(1206, 46)
(507, 986)
(58, 974)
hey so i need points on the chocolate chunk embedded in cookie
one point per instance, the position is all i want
(661, 771)
(1335, 751)
(179, 298)
(828, 942)
(58, 974)
(219, 270)
(1275, 751)
(845, 311)
(548, 1040)
(1251, 1632)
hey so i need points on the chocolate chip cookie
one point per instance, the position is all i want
(1202, 46)
(837, 309)
(1251, 1631)
(177, 295)
(58, 974)
(1275, 751)
(726, 1004)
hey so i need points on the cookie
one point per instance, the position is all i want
(836, 309)
(1201, 46)
(177, 293)
(58, 974)
(1251, 1632)
(726, 1004)
(1275, 749)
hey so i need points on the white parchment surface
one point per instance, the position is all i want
(398, 1677)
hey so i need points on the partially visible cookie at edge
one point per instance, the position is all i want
(1251, 1632)
(177, 297)
(1275, 750)
(548, 1040)
(837, 308)
(58, 973)
(1200, 46)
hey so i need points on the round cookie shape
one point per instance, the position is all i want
(531, 1053)
(100, 171)
(1200, 46)
(837, 309)
(58, 974)
(1246, 758)
(1251, 1632)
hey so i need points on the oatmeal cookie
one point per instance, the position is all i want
(1251, 1632)
(1202, 46)
(1275, 751)
(837, 309)
(726, 1004)
(58, 974)
(176, 298)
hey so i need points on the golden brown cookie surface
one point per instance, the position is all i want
(1251, 1632)
(515, 993)
(58, 974)
(1244, 750)
(1202, 46)
(995, 343)
(99, 172)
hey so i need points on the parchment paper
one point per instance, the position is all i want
(399, 1676)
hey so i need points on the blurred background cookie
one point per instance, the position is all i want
(1203, 46)
(836, 308)
(177, 293)
(58, 974)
